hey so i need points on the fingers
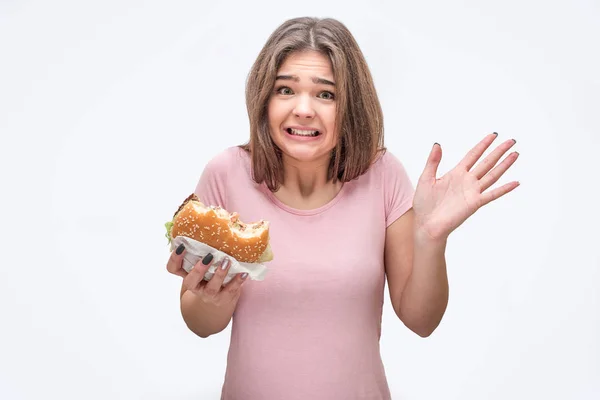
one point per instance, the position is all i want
(196, 275)
(492, 177)
(433, 161)
(497, 192)
(232, 289)
(175, 262)
(213, 287)
(488, 163)
(476, 152)
(212, 291)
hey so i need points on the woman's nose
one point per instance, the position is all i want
(303, 107)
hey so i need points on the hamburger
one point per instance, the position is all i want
(221, 230)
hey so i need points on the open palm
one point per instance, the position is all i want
(442, 205)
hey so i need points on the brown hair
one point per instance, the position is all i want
(359, 118)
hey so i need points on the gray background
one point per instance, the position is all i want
(109, 111)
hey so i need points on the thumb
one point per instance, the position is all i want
(433, 161)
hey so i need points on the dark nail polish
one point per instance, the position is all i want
(207, 259)
(180, 249)
(495, 133)
(514, 140)
(436, 143)
(244, 275)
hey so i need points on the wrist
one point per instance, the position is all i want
(424, 238)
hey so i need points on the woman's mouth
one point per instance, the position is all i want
(302, 132)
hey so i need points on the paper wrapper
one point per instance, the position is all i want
(195, 250)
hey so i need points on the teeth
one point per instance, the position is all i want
(302, 132)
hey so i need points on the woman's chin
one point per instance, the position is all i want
(305, 155)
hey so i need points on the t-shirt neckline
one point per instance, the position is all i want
(302, 212)
(271, 196)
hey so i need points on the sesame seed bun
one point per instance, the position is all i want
(216, 227)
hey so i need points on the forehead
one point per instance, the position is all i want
(307, 62)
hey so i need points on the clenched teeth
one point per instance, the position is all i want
(300, 132)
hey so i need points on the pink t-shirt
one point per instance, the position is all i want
(311, 329)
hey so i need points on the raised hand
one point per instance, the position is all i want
(442, 205)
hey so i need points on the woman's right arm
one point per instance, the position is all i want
(206, 307)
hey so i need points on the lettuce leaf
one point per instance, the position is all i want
(169, 226)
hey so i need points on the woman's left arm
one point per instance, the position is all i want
(415, 243)
(416, 274)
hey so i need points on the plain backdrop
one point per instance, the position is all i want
(110, 110)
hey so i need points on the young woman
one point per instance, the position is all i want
(344, 217)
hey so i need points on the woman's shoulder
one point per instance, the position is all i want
(226, 159)
(385, 163)
(221, 173)
(386, 173)
(386, 158)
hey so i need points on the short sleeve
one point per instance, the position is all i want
(397, 187)
(211, 187)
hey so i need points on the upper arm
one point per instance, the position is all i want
(398, 256)
(398, 193)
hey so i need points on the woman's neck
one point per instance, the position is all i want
(305, 184)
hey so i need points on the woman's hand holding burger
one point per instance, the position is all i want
(212, 291)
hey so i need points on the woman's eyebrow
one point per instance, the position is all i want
(315, 79)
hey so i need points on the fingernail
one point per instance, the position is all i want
(495, 133)
(244, 275)
(207, 259)
(180, 249)
(436, 143)
(514, 140)
(225, 263)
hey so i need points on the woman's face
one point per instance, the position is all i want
(302, 107)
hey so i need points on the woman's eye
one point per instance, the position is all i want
(327, 95)
(284, 90)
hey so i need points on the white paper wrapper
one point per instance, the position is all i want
(195, 250)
